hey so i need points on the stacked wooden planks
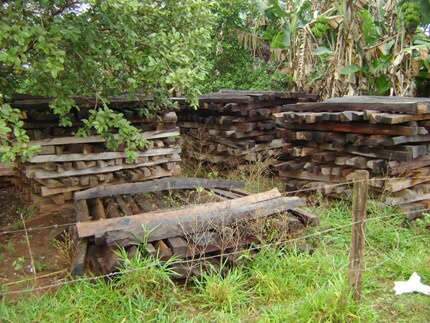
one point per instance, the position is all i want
(67, 163)
(389, 136)
(232, 127)
(122, 216)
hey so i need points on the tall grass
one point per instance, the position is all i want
(278, 285)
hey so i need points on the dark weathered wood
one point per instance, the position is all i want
(307, 218)
(399, 168)
(97, 139)
(42, 174)
(78, 264)
(359, 210)
(362, 128)
(172, 183)
(162, 225)
(100, 156)
(123, 206)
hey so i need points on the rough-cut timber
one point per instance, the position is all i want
(66, 163)
(233, 127)
(124, 216)
(324, 142)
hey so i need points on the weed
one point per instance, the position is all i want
(277, 285)
(65, 248)
(145, 275)
(226, 293)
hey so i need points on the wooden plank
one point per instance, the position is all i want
(396, 107)
(46, 191)
(172, 223)
(41, 174)
(306, 217)
(123, 205)
(172, 183)
(362, 128)
(392, 118)
(100, 156)
(398, 168)
(97, 139)
(78, 264)
(179, 247)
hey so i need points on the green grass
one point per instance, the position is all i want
(278, 285)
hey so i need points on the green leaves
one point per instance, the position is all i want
(159, 48)
(368, 27)
(14, 142)
(350, 69)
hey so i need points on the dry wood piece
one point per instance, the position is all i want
(213, 228)
(387, 136)
(172, 183)
(67, 163)
(235, 127)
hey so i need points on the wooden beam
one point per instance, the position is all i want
(172, 183)
(197, 218)
(100, 156)
(361, 128)
(97, 139)
(42, 174)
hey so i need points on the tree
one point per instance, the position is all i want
(64, 48)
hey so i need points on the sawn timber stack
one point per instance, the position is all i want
(233, 127)
(217, 222)
(326, 141)
(67, 163)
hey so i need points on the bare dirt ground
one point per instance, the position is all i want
(48, 252)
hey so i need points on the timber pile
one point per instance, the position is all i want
(389, 136)
(233, 127)
(6, 172)
(66, 163)
(122, 216)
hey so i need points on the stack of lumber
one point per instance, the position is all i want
(235, 127)
(67, 163)
(389, 136)
(121, 216)
(6, 170)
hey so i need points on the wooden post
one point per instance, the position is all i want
(359, 207)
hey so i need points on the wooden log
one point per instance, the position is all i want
(172, 183)
(362, 128)
(167, 224)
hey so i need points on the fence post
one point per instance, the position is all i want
(359, 207)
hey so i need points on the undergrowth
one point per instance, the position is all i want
(277, 285)
(304, 281)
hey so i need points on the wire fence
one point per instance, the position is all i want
(62, 282)
(304, 190)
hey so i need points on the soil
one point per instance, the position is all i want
(49, 245)
(16, 271)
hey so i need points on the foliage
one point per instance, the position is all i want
(62, 48)
(278, 285)
(14, 141)
(233, 66)
(368, 27)
(341, 47)
(411, 16)
(321, 27)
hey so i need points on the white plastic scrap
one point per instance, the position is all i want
(411, 286)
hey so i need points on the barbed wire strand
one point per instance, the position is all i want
(55, 226)
(68, 282)
(31, 229)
